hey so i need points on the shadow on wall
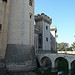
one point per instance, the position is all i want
(73, 67)
(53, 44)
(62, 64)
(46, 62)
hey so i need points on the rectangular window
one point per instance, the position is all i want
(46, 39)
(40, 40)
(46, 27)
(30, 15)
(30, 2)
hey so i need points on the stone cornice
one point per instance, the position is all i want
(43, 17)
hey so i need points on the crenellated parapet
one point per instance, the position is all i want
(43, 17)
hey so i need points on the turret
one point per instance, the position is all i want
(54, 36)
(43, 22)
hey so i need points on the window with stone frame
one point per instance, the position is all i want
(30, 2)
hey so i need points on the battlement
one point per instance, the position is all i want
(43, 17)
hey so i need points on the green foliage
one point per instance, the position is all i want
(73, 46)
(63, 47)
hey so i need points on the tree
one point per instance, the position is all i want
(62, 46)
(73, 46)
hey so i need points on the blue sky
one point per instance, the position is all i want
(62, 13)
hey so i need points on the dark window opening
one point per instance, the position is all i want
(46, 27)
(0, 27)
(40, 40)
(4, 0)
(46, 39)
(30, 2)
(30, 15)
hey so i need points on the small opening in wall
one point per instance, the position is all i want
(46, 27)
(0, 27)
(30, 15)
(4, 0)
(46, 39)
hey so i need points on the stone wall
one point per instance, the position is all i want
(53, 32)
(20, 23)
(20, 58)
(3, 31)
(17, 35)
(20, 53)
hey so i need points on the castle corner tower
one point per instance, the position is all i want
(43, 22)
(20, 35)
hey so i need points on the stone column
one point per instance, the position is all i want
(69, 72)
(69, 69)
(54, 69)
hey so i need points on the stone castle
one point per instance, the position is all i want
(45, 36)
(20, 39)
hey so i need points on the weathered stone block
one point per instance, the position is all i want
(20, 57)
(2, 65)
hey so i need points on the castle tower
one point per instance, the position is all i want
(20, 35)
(44, 22)
(54, 36)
